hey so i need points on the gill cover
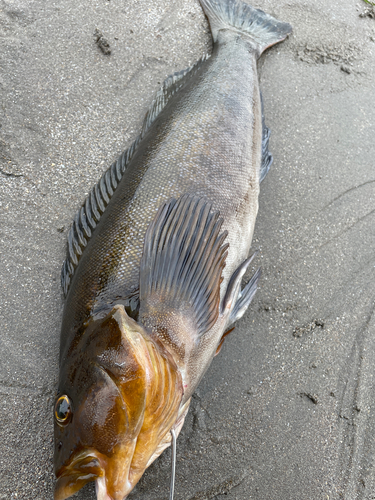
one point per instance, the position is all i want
(124, 392)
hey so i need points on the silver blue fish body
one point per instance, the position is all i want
(165, 235)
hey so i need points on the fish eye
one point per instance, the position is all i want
(63, 410)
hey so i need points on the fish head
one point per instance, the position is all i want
(119, 396)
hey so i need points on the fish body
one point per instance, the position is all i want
(155, 261)
(207, 142)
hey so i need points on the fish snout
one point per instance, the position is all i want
(79, 472)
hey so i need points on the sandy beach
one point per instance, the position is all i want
(286, 410)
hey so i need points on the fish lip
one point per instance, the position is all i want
(72, 477)
(78, 462)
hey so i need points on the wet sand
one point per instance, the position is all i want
(286, 410)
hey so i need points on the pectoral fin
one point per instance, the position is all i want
(181, 267)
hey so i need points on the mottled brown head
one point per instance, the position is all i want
(119, 395)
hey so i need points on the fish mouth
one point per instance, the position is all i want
(73, 477)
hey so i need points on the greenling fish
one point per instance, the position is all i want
(156, 255)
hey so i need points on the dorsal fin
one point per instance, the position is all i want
(90, 213)
(170, 86)
(92, 209)
(181, 267)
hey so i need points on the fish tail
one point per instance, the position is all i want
(262, 28)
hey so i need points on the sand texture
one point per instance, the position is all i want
(286, 410)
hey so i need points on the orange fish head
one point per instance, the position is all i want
(119, 396)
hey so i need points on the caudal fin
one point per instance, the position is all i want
(262, 28)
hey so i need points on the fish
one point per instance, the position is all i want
(155, 261)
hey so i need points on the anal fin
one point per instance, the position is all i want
(267, 157)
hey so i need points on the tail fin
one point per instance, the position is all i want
(261, 27)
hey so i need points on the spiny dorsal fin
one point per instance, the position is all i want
(92, 209)
(181, 267)
(90, 213)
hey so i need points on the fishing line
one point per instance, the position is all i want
(173, 472)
